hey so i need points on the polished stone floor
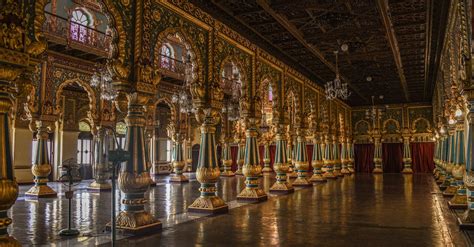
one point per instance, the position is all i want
(360, 210)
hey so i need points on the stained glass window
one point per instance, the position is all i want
(166, 57)
(79, 23)
(270, 92)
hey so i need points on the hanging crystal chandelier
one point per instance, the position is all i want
(231, 102)
(374, 113)
(335, 88)
(183, 96)
(102, 80)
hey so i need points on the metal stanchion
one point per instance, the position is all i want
(70, 178)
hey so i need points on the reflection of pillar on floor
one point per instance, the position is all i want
(240, 158)
(460, 199)
(178, 161)
(41, 166)
(301, 161)
(207, 172)
(251, 169)
(101, 165)
(134, 177)
(317, 161)
(9, 187)
(467, 220)
(227, 161)
(280, 165)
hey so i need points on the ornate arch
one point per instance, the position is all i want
(244, 77)
(190, 46)
(389, 120)
(91, 95)
(416, 121)
(167, 101)
(358, 125)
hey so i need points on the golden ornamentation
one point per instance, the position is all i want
(134, 220)
(133, 183)
(8, 195)
(207, 175)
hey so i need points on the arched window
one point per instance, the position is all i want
(84, 150)
(80, 21)
(166, 57)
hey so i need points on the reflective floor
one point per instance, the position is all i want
(360, 210)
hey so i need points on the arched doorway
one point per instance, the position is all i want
(162, 143)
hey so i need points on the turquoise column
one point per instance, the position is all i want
(450, 182)
(101, 164)
(377, 152)
(345, 157)
(460, 199)
(442, 172)
(280, 165)
(351, 156)
(317, 162)
(328, 159)
(178, 161)
(240, 158)
(266, 158)
(251, 169)
(336, 158)
(207, 172)
(301, 161)
(292, 149)
(467, 220)
(227, 161)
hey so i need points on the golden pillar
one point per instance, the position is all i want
(301, 161)
(178, 160)
(377, 151)
(207, 173)
(317, 161)
(328, 159)
(251, 168)
(8, 185)
(41, 166)
(134, 177)
(101, 164)
(406, 152)
(227, 161)
(280, 165)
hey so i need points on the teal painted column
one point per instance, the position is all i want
(266, 158)
(41, 166)
(240, 158)
(468, 217)
(292, 161)
(450, 182)
(351, 155)
(328, 159)
(251, 169)
(336, 157)
(178, 161)
(101, 164)
(345, 156)
(301, 161)
(134, 177)
(280, 165)
(317, 161)
(460, 199)
(207, 172)
(442, 172)
(406, 152)
(227, 161)
(377, 152)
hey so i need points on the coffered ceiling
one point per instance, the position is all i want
(395, 42)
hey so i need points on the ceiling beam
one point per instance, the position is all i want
(299, 36)
(387, 22)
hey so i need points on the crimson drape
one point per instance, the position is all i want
(422, 156)
(272, 155)
(364, 157)
(233, 155)
(309, 151)
(261, 149)
(392, 157)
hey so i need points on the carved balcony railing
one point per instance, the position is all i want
(76, 36)
(172, 67)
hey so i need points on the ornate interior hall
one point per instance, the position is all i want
(236, 123)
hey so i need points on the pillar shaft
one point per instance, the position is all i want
(468, 216)
(266, 158)
(251, 169)
(301, 161)
(345, 157)
(41, 166)
(328, 159)
(377, 153)
(207, 172)
(178, 160)
(227, 161)
(407, 169)
(134, 177)
(317, 162)
(280, 165)
(101, 161)
(460, 199)
(336, 157)
(240, 158)
(350, 166)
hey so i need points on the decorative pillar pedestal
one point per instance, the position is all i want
(240, 158)
(377, 153)
(266, 158)
(281, 186)
(101, 162)
(227, 161)
(8, 184)
(178, 161)
(406, 152)
(328, 159)
(301, 162)
(459, 199)
(251, 169)
(207, 172)
(134, 177)
(41, 167)
(317, 163)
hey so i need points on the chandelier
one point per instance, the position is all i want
(231, 101)
(102, 80)
(374, 113)
(335, 88)
(183, 96)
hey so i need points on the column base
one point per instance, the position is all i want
(351, 170)
(267, 169)
(377, 170)
(239, 172)
(317, 178)
(179, 178)
(94, 186)
(208, 205)
(41, 191)
(338, 173)
(407, 171)
(345, 171)
(450, 191)
(459, 201)
(466, 221)
(441, 179)
(136, 223)
(329, 175)
(69, 232)
(252, 195)
(292, 174)
(301, 182)
(227, 174)
(282, 188)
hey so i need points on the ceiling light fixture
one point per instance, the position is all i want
(335, 88)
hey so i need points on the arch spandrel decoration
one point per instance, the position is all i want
(292, 99)
(362, 130)
(391, 131)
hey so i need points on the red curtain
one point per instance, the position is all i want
(233, 155)
(272, 155)
(364, 157)
(392, 157)
(422, 157)
(261, 149)
(309, 150)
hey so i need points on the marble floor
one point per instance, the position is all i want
(359, 210)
